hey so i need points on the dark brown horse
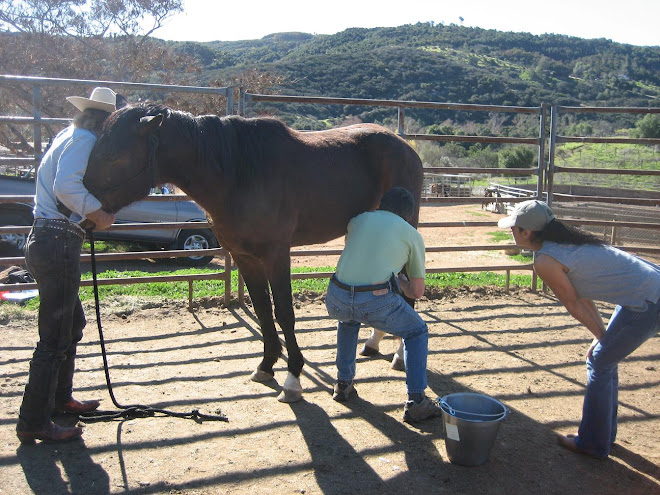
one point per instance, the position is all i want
(265, 188)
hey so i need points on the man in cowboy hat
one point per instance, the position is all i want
(52, 254)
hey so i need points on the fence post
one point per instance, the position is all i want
(541, 156)
(401, 113)
(242, 104)
(230, 101)
(36, 103)
(554, 119)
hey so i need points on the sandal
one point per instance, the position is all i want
(568, 442)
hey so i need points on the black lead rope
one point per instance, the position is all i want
(134, 410)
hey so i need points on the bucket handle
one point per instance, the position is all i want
(452, 411)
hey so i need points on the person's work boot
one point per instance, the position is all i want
(51, 433)
(419, 411)
(78, 407)
(344, 391)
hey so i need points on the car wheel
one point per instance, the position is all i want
(14, 241)
(196, 239)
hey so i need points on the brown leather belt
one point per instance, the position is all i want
(359, 288)
(57, 224)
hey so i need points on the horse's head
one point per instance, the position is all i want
(122, 167)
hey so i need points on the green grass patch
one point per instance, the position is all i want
(500, 235)
(475, 279)
(112, 247)
(478, 214)
(608, 155)
(208, 288)
(522, 258)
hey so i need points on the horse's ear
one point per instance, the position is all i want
(150, 123)
(121, 101)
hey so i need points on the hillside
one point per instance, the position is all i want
(426, 62)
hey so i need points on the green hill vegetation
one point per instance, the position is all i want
(427, 62)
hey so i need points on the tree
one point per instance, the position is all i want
(86, 18)
(649, 126)
(517, 157)
(81, 39)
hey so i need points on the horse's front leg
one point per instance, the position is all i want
(253, 273)
(278, 268)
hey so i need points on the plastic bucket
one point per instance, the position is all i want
(471, 422)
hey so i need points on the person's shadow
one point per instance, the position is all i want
(41, 464)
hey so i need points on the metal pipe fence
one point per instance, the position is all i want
(543, 176)
(600, 213)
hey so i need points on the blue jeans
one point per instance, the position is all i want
(626, 331)
(53, 257)
(389, 313)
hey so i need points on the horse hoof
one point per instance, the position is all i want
(290, 396)
(261, 376)
(292, 390)
(369, 351)
(398, 363)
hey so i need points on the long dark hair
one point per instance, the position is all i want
(91, 119)
(562, 233)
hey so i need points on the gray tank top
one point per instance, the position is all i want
(604, 273)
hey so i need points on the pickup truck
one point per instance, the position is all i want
(20, 214)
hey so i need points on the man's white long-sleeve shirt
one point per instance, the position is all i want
(60, 176)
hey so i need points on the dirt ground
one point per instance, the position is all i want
(521, 348)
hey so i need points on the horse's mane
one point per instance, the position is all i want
(233, 144)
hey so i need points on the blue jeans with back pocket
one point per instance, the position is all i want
(388, 312)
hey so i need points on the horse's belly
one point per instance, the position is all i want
(315, 237)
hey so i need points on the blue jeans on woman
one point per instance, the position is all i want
(626, 331)
(53, 257)
(388, 312)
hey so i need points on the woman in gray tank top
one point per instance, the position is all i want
(580, 268)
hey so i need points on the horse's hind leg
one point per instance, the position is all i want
(372, 346)
(255, 279)
(398, 361)
(278, 268)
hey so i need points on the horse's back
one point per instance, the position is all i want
(376, 145)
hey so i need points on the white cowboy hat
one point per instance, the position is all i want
(100, 99)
